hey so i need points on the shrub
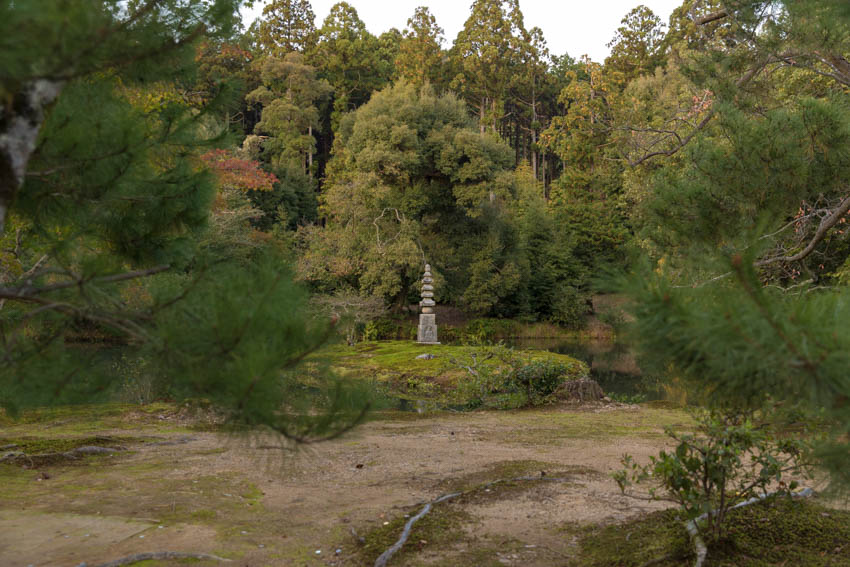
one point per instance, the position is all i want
(540, 379)
(487, 331)
(510, 380)
(387, 329)
(728, 459)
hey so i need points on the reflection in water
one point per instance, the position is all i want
(611, 364)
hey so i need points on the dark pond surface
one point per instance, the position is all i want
(611, 364)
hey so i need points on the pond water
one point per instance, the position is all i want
(611, 364)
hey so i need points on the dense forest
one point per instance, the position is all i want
(196, 190)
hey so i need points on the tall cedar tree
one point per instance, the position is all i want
(286, 26)
(420, 56)
(485, 53)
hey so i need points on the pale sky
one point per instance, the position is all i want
(576, 27)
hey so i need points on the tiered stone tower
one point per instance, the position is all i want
(427, 319)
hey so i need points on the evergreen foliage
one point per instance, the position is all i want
(119, 234)
(420, 56)
(744, 225)
(287, 26)
(715, 151)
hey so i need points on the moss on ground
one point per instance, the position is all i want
(443, 527)
(32, 445)
(395, 370)
(439, 528)
(774, 533)
(399, 357)
(94, 419)
(592, 423)
(785, 532)
(507, 471)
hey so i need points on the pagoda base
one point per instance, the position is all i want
(427, 333)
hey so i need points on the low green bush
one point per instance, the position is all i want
(513, 381)
(540, 379)
(487, 331)
(732, 456)
(388, 329)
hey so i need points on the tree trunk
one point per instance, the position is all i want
(534, 131)
(545, 180)
(20, 123)
(310, 154)
(481, 113)
(534, 154)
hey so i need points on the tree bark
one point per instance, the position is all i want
(19, 127)
(310, 153)
(481, 112)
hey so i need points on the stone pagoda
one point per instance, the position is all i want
(427, 334)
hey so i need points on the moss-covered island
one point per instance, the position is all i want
(453, 375)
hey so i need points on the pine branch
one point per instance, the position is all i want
(826, 224)
(713, 17)
(31, 293)
(684, 141)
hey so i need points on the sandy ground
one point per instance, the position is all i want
(257, 503)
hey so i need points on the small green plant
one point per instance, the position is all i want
(627, 398)
(730, 458)
(138, 385)
(614, 317)
(540, 379)
(486, 331)
(386, 328)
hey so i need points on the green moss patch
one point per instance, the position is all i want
(553, 427)
(785, 532)
(32, 445)
(93, 420)
(439, 528)
(506, 472)
(630, 545)
(778, 532)
(399, 357)
(403, 378)
(36, 452)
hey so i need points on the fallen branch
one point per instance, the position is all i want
(157, 556)
(386, 555)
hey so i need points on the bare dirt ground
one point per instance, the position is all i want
(248, 499)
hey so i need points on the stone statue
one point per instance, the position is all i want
(427, 334)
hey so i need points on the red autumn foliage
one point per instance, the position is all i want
(244, 174)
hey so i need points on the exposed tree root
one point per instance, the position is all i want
(699, 545)
(386, 555)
